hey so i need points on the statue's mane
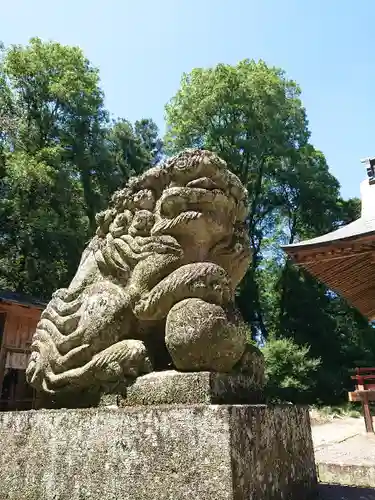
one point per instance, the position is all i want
(142, 193)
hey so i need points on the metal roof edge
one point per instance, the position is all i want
(344, 234)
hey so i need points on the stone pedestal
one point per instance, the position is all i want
(166, 452)
(172, 387)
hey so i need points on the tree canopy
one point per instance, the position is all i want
(61, 157)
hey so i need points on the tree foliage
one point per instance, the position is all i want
(60, 160)
(290, 370)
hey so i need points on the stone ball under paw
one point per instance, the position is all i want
(203, 336)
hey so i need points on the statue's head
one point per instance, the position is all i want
(192, 197)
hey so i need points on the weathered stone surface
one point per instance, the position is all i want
(252, 364)
(148, 453)
(362, 475)
(172, 387)
(176, 232)
(203, 336)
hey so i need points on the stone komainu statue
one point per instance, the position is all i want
(155, 286)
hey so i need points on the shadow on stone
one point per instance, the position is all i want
(69, 400)
(337, 492)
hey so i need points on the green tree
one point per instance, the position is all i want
(58, 104)
(60, 160)
(252, 116)
(42, 225)
(147, 133)
(132, 149)
(290, 370)
(337, 334)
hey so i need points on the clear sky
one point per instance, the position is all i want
(143, 47)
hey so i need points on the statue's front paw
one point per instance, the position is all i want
(201, 280)
(34, 372)
(125, 359)
(221, 289)
(203, 336)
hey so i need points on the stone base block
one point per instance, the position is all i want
(167, 387)
(173, 387)
(202, 452)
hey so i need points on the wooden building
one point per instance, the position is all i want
(19, 316)
(345, 259)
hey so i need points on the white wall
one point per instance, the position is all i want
(368, 199)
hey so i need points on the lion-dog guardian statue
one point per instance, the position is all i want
(155, 286)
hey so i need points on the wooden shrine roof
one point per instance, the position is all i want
(7, 296)
(345, 261)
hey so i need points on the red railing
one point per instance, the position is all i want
(364, 393)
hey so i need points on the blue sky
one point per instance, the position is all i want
(143, 47)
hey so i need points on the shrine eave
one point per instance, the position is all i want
(344, 260)
(359, 229)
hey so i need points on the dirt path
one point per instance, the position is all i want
(336, 431)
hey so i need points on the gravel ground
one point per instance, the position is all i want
(353, 450)
(344, 441)
(336, 431)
